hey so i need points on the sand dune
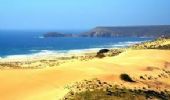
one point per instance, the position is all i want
(48, 83)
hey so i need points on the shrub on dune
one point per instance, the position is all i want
(126, 77)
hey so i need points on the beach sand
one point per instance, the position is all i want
(48, 83)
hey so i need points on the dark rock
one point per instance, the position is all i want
(57, 34)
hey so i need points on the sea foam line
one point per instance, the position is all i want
(121, 44)
(67, 53)
(49, 54)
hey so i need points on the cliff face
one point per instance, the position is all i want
(129, 31)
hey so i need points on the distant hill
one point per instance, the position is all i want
(122, 31)
(132, 31)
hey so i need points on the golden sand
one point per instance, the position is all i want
(48, 83)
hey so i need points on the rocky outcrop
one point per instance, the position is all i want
(56, 34)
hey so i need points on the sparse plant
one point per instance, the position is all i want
(141, 77)
(100, 55)
(126, 77)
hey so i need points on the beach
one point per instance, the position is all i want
(84, 50)
(49, 82)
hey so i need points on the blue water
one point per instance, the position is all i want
(29, 42)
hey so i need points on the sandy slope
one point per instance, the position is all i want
(48, 83)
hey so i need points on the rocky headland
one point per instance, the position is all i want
(120, 31)
(56, 34)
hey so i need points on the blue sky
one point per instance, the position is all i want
(81, 14)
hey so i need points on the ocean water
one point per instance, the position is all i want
(31, 42)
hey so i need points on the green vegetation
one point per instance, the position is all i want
(108, 53)
(126, 77)
(97, 90)
(160, 43)
(106, 95)
(120, 95)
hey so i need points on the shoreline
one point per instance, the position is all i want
(59, 57)
(50, 81)
(53, 59)
(49, 54)
(47, 77)
(65, 53)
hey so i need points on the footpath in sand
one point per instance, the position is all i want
(48, 83)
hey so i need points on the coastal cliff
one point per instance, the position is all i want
(129, 31)
(122, 31)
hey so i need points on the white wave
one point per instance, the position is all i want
(130, 42)
(41, 37)
(84, 50)
(121, 44)
(34, 50)
(49, 54)
(65, 53)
